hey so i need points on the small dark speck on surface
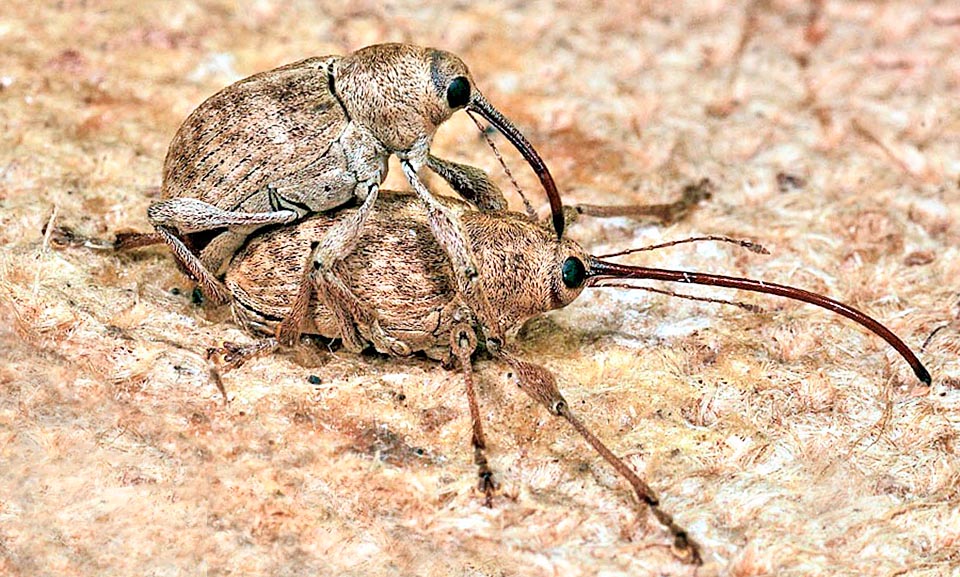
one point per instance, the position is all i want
(787, 182)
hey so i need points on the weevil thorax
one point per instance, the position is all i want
(401, 93)
(525, 270)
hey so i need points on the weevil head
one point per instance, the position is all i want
(525, 269)
(401, 93)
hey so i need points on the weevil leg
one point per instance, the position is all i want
(131, 240)
(321, 277)
(449, 232)
(216, 256)
(463, 342)
(188, 215)
(178, 216)
(541, 385)
(470, 182)
(65, 236)
(212, 288)
(288, 331)
(692, 195)
(230, 356)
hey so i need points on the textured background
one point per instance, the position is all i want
(789, 442)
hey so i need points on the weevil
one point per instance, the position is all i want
(400, 272)
(316, 135)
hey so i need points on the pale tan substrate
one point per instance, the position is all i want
(789, 442)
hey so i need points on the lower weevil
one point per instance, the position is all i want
(401, 274)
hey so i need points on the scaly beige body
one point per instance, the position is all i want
(401, 272)
(314, 136)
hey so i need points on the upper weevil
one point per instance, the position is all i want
(311, 136)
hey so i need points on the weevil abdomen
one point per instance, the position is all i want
(415, 301)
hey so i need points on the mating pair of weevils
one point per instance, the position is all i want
(272, 202)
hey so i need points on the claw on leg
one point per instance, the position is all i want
(230, 356)
(65, 236)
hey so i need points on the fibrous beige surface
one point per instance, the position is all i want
(789, 442)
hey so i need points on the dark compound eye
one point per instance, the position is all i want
(574, 272)
(458, 92)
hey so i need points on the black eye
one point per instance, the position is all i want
(458, 92)
(574, 272)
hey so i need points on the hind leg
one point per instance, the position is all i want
(175, 217)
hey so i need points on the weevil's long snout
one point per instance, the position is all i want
(599, 270)
(479, 104)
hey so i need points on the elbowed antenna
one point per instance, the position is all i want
(479, 104)
(598, 270)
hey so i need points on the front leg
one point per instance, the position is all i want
(450, 234)
(470, 182)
